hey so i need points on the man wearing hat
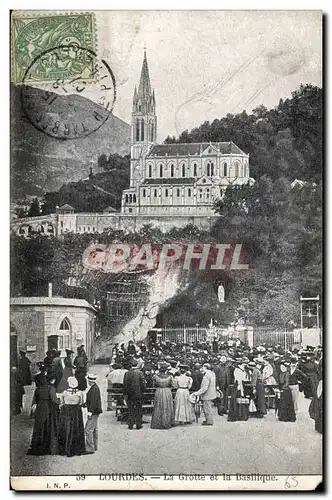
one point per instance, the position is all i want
(133, 390)
(48, 359)
(81, 349)
(115, 377)
(223, 381)
(80, 363)
(295, 376)
(197, 376)
(207, 392)
(24, 369)
(93, 404)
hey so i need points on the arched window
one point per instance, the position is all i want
(183, 170)
(134, 198)
(225, 169)
(142, 130)
(64, 334)
(155, 193)
(166, 193)
(212, 169)
(178, 192)
(195, 169)
(137, 130)
(152, 132)
(150, 170)
(144, 193)
(189, 192)
(236, 169)
(130, 198)
(172, 170)
(200, 194)
(160, 170)
(208, 169)
(65, 325)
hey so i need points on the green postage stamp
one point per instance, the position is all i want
(37, 34)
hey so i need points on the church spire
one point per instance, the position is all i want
(144, 98)
(144, 119)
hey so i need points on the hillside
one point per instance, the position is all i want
(104, 190)
(285, 141)
(40, 163)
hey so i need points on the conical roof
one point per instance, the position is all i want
(144, 89)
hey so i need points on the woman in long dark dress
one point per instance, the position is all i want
(71, 428)
(310, 369)
(286, 412)
(68, 371)
(258, 393)
(163, 409)
(54, 413)
(316, 408)
(46, 407)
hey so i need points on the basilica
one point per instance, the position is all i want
(176, 179)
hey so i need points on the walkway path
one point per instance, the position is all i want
(265, 446)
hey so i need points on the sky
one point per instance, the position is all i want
(205, 64)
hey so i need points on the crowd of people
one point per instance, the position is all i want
(63, 387)
(236, 379)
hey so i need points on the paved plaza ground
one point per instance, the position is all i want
(263, 446)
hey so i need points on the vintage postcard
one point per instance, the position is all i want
(166, 250)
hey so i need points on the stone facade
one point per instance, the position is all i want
(99, 222)
(37, 321)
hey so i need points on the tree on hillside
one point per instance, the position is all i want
(102, 162)
(283, 141)
(114, 161)
(34, 209)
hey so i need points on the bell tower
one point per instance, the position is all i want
(143, 124)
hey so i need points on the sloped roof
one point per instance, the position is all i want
(49, 301)
(66, 207)
(109, 209)
(192, 149)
